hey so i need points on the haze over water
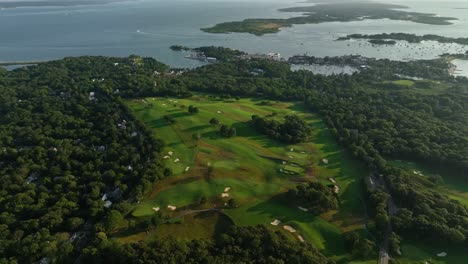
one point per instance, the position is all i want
(149, 27)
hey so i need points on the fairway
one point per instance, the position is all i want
(250, 168)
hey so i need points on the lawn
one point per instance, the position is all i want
(419, 252)
(256, 168)
(406, 83)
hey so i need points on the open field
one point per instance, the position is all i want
(255, 168)
(406, 83)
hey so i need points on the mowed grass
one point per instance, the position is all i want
(407, 83)
(250, 164)
(419, 252)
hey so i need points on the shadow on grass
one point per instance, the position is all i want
(196, 128)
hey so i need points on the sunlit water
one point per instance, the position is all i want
(462, 67)
(149, 27)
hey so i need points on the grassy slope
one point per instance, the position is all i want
(241, 164)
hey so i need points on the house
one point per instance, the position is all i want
(32, 177)
(92, 96)
(101, 148)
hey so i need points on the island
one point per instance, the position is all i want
(330, 12)
(385, 38)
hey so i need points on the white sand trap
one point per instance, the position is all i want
(227, 189)
(176, 160)
(442, 254)
(289, 228)
(219, 112)
(187, 168)
(170, 153)
(276, 222)
(303, 209)
(324, 161)
(336, 189)
(163, 104)
(166, 157)
(291, 157)
(156, 209)
(303, 152)
(285, 162)
(171, 207)
(291, 150)
(224, 195)
(332, 180)
(300, 238)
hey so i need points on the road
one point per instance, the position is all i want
(374, 183)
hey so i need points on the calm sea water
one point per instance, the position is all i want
(149, 27)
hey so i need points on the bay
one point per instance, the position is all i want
(149, 27)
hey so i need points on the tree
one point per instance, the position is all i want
(192, 109)
(232, 203)
(228, 132)
(112, 220)
(214, 121)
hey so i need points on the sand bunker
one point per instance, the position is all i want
(166, 157)
(336, 189)
(324, 161)
(171, 207)
(187, 168)
(442, 254)
(227, 189)
(332, 180)
(156, 209)
(170, 153)
(303, 209)
(176, 160)
(289, 228)
(276, 222)
(300, 238)
(225, 195)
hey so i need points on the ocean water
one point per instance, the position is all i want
(149, 27)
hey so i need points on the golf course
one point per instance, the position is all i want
(249, 169)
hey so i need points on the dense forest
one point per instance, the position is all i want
(70, 152)
(73, 158)
(314, 196)
(292, 130)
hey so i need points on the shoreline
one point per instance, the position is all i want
(10, 63)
